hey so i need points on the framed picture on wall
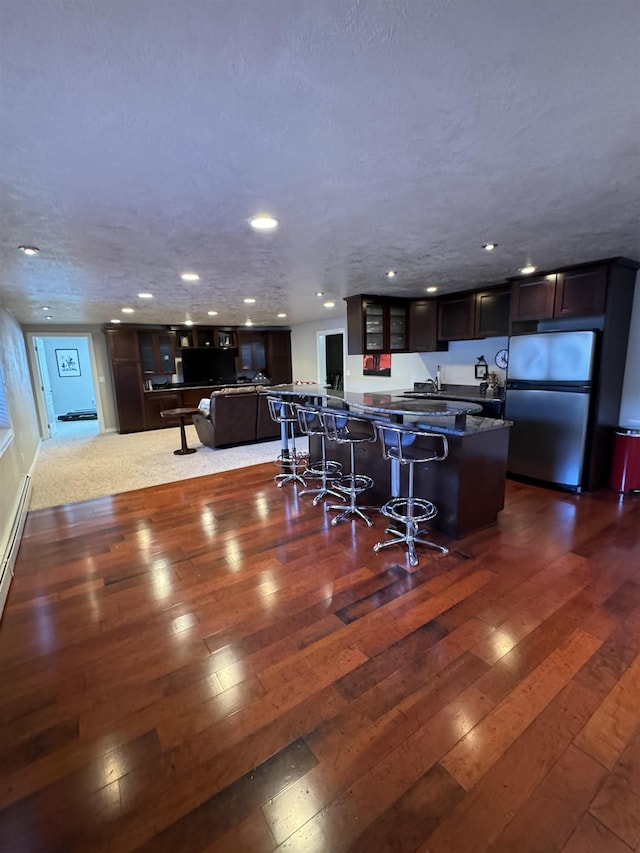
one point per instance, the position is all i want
(376, 364)
(68, 362)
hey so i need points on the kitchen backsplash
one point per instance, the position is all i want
(457, 366)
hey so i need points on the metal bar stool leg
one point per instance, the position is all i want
(289, 459)
(347, 429)
(408, 511)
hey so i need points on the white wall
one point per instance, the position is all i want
(70, 392)
(630, 407)
(304, 345)
(19, 455)
(456, 366)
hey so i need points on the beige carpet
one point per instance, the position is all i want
(80, 463)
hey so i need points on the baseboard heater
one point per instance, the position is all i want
(13, 540)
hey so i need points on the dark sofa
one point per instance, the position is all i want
(236, 416)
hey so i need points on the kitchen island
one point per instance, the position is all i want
(468, 487)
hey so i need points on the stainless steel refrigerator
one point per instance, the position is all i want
(548, 399)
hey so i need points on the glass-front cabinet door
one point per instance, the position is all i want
(166, 356)
(157, 356)
(397, 328)
(374, 327)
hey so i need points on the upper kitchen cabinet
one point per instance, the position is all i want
(492, 312)
(157, 353)
(533, 298)
(581, 292)
(376, 324)
(474, 314)
(456, 317)
(423, 325)
(577, 292)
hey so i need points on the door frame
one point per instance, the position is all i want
(321, 357)
(36, 379)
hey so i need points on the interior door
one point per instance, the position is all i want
(45, 385)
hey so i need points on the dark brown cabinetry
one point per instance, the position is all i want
(423, 325)
(157, 402)
(376, 324)
(251, 353)
(278, 356)
(139, 354)
(533, 298)
(581, 292)
(578, 292)
(456, 317)
(492, 312)
(209, 337)
(157, 353)
(124, 354)
(474, 314)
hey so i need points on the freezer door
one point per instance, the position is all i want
(548, 435)
(552, 357)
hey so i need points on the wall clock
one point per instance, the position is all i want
(502, 358)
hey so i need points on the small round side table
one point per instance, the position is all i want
(181, 414)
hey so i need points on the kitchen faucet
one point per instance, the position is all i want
(432, 383)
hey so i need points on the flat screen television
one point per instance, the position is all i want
(208, 366)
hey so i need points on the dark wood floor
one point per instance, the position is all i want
(210, 666)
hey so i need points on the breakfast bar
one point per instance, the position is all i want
(467, 488)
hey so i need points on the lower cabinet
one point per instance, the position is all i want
(156, 403)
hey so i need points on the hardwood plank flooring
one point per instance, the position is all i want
(210, 666)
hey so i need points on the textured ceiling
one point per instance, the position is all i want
(137, 137)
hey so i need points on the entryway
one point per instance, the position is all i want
(64, 382)
(331, 358)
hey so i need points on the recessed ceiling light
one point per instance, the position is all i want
(145, 296)
(489, 247)
(127, 310)
(29, 250)
(212, 313)
(248, 323)
(46, 308)
(320, 293)
(188, 322)
(190, 276)
(329, 304)
(264, 222)
(249, 300)
(431, 289)
(116, 321)
(280, 316)
(528, 270)
(48, 318)
(391, 274)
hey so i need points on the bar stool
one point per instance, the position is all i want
(323, 469)
(347, 429)
(290, 460)
(397, 446)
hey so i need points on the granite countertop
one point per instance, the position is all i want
(462, 392)
(437, 413)
(473, 425)
(211, 386)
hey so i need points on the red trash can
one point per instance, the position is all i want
(625, 471)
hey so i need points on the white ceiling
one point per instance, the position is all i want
(137, 137)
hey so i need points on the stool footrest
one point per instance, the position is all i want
(298, 459)
(328, 469)
(409, 510)
(353, 483)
